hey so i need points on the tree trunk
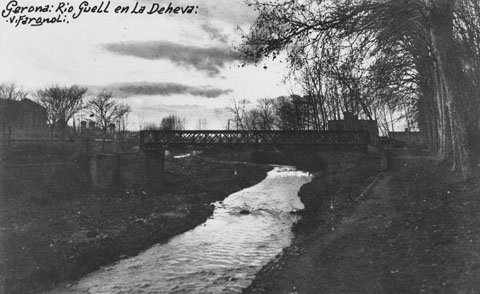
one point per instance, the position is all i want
(441, 32)
(444, 129)
(104, 133)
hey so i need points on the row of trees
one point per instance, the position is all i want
(375, 58)
(175, 122)
(63, 103)
(170, 122)
(292, 112)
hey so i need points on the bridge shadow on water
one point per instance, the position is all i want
(302, 158)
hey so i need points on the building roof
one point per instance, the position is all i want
(24, 104)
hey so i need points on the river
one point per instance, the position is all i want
(220, 256)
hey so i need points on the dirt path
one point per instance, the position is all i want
(348, 241)
(407, 235)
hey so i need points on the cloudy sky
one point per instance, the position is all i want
(157, 63)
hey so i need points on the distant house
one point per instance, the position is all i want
(350, 122)
(22, 119)
(409, 139)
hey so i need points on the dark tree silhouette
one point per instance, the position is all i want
(105, 110)
(172, 122)
(62, 103)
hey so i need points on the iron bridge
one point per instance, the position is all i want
(159, 140)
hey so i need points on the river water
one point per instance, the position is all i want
(220, 256)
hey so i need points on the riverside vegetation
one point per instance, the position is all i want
(55, 228)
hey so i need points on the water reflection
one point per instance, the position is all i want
(220, 256)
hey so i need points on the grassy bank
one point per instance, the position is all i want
(331, 193)
(416, 231)
(55, 228)
(333, 189)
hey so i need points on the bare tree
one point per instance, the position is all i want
(11, 91)
(62, 103)
(253, 120)
(238, 113)
(267, 113)
(261, 116)
(105, 110)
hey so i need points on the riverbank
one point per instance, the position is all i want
(55, 228)
(415, 231)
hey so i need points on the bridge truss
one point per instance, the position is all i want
(158, 140)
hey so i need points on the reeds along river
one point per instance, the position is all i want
(220, 256)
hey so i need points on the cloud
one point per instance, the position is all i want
(214, 33)
(209, 59)
(166, 89)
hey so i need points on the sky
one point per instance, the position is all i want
(159, 64)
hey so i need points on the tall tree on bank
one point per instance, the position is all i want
(428, 31)
(451, 76)
(105, 110)
(62, 103)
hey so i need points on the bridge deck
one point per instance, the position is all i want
(160, 140)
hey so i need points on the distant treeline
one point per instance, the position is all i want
(62, 103)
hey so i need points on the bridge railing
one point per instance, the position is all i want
(152, 140)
